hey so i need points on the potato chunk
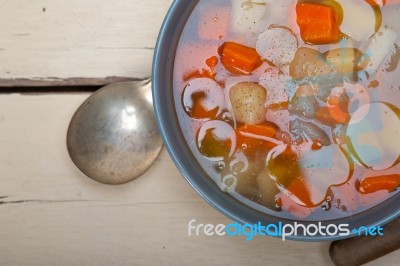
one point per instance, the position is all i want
(309, 63)
(304, 102)
(248, 102)
(327, 70)
(343, 59)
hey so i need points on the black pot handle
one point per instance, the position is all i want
(363, 249)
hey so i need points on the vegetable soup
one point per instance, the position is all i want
(292, 107)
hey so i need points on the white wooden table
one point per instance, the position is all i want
(50, 214)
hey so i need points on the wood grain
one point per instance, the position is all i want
(50, 214)
(53, 215)
(12, 84)
(56, 39)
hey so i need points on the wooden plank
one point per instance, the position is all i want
(53, 215)
(59, 82)
(56, 41)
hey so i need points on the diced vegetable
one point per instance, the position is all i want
(309, 63)
(318, 23)
(239, 59)
(377, 183)
(278, 106)
(283, 165)
(338, 105)
(324, 116)
(344, 59)
(256, 140)
(327, 70)
(277, 45)
(304, 102)
(305, 175)
(308, 132)
(264, 130)
(379, 47)
(337, 110)
(334, 4)
(294, 129)
(285, 169)
(298, 189)
(248, 102)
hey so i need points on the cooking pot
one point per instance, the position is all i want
(162, 88)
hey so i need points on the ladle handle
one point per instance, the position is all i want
(363, 249)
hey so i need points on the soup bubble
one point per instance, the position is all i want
(216, 140)
(373, 134)
(203, 98)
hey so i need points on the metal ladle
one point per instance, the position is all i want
(113, 136)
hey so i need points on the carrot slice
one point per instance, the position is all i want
(239, 59)
(323, 115)
(279, 106)
(338, 106)
(318, 23)
(299, 189)
(376, 183)
(335, 113)
(250, 137)
(264, 129)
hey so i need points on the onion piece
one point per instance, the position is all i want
(277, 45)
(380, 46)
